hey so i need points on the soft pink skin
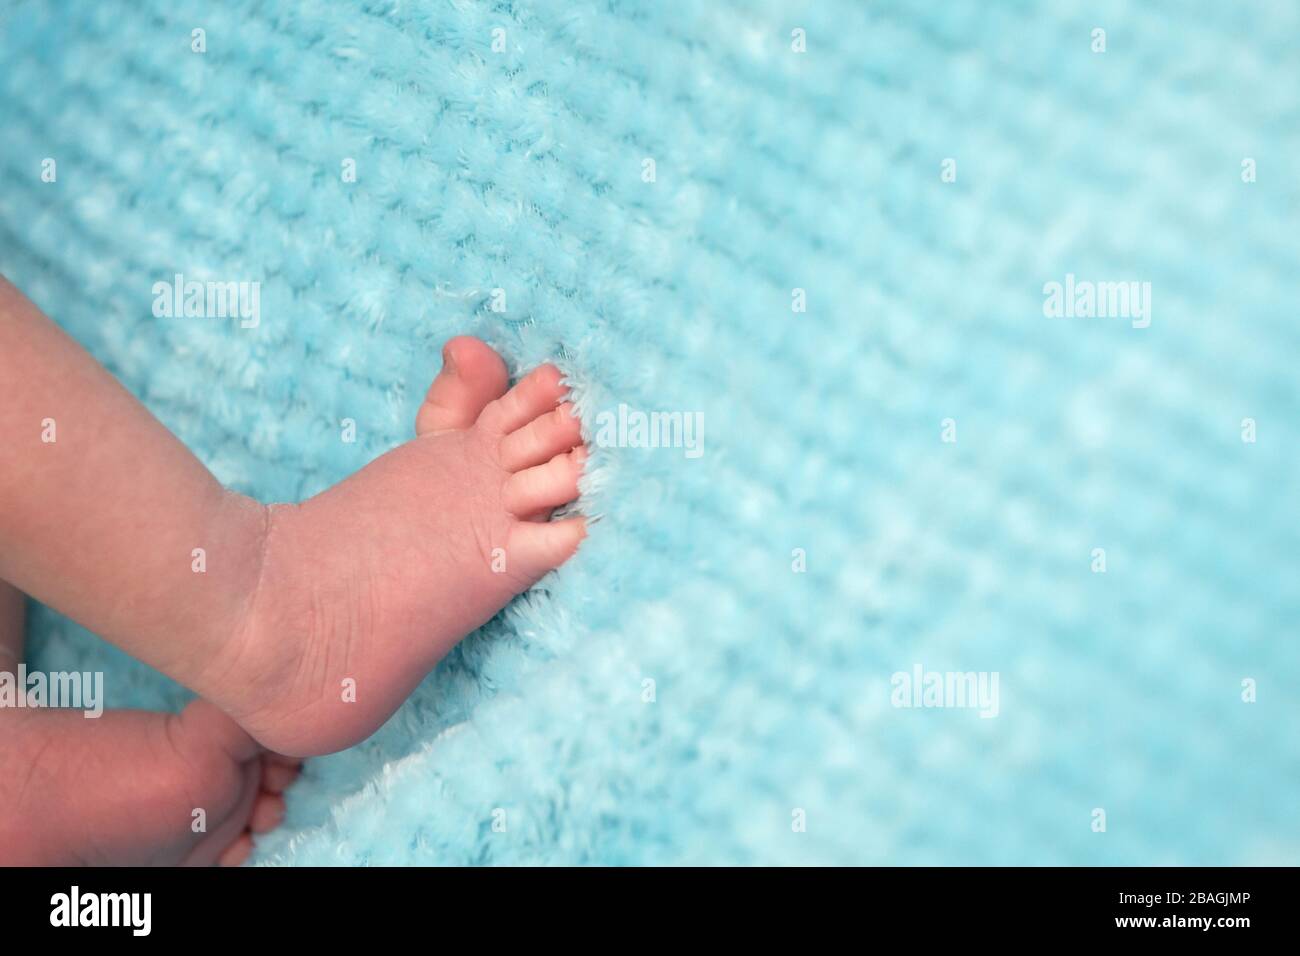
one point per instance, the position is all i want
(371, 582)
(420, 527)
(375, 580)
(121, 789)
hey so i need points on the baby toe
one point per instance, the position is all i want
(268, 813)
(541, 439)
(237, 852)
(537, 547)
(545, 486)
(278, 775)
(535, 394)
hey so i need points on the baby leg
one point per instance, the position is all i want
(308, 623)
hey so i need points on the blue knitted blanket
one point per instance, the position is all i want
(987, 313)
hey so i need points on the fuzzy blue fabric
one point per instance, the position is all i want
(917, 470)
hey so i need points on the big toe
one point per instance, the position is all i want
(472, 375)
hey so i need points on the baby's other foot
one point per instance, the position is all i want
(133, 788)
(365, 587)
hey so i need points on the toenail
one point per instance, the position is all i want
(448, 360)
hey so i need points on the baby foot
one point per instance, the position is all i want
(127, 788)
(365, 587)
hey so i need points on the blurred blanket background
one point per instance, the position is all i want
(828, 229)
